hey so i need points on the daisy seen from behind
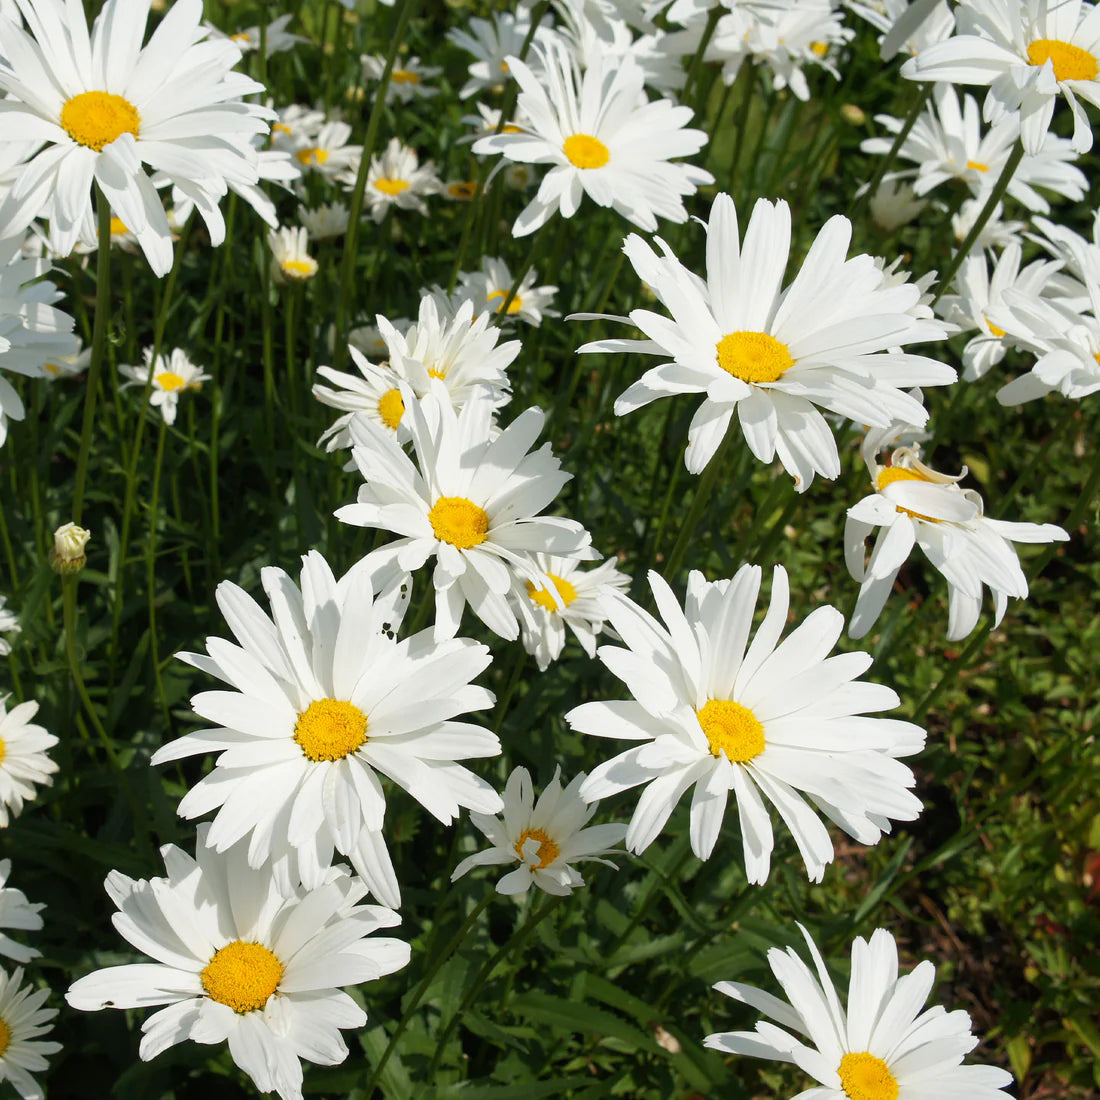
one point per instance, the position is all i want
(102, 107)
(769, 721)
(546, 837)
(23, 1022)
(878, 1045)
(237, 960)
(173, 374)
(832, 339)
(23, 760)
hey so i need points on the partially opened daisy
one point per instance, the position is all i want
(602, 138)
(237, 960)
(23, 760)
(832, 339)
(17, 912)
(770, 721)
(545, 837)
(102, 107)
(877, 1045)
(324, 700)
(23, 1023)
(472, 499)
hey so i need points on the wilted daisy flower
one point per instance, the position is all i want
(23, 759)
(771, 722)
(877, 1046)
(602, 138)
(374, 393)
(173, 374)
(396, 178)
(276, 37)
(16, 912)
(570, 596)
(472, 499)
(9, 624)
(290, 251)
(491, 286)
(174, 105)
(237, 960)
(23, 1022)
(406, 79)
(833, 339)
(324, 700)
(914, 504)
(326, 221)
(1028, 52)
(545, 837)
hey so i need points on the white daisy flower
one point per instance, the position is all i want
(23, 1022)
(833, 339)
(276, 37)
(491, 286)
(374, 393)
(67, 366)
(602, 138)
(492, 41)
(325, 699)
(175, 105)
(173, 374)
(894, 204)
(9, 624)
(237, 960)
(294, 125)
(472, 499)
(326, 221)
(397, 178)
(290, 251)
(571, 596)
(545, 837)
(997, 233)
(17, 912)
(23, 759)
(772, 722)
(916, 505)
(324, 150)
(1028, 52)
(368, 339)
(877, 1046)
(908, 26)
(406, 78)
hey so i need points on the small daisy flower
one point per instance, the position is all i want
(69, 552)
(276, 37)
(67, 366)
(290, 251)
(472, 499)
(173, 375)
(325, 150)
(492, 41)
(407, 79)
(545, 837)
(23, 1022)
(771, 722)
(17, 912)
(997, 233)
(9, 624)
(23, 760)
(374, 393)
(235, 959)
(491, 286)
(295, 125)
(397, 178)
(1028, 53)
(879, 1045)
(325, 221)
(602, 138)
(460, 190)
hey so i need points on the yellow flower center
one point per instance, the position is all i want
(459, 521)
(242, 976)
(865, 1077)
(995, 329)
(95, 119)
(514, 306)
(5, 1037)
(391, 187)
(437, 372)
(464, 189)
(545, 598)
(51, 368)
(240, 36)
(820, 48)
(314, 156)
(282, 127)
(731, 729)
(1070, 62)
(391, 408)
(299, 269)
(169, 381)
(585, 151)
(330, 729)
(891, 474)
(977, 166)
(548, 850)
(753, 356)
(3, 750)
(404, 76)
(118, 227)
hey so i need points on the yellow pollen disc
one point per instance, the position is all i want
(466, 189)
(95, 119)
(585, 151)
(510, 129)
(299, 269)
(5, 1037)
(118, 227)
(459, 521)
(977, 166)
(391, 408)
(731, 729)
(282, 127)
(865, 1077)
(330, 729)
(240, 36)
(753, 356)
(544, 598)
(404, 76)
(169, 381)
(309, 157)
(391, 187)
(891, 474)
(1070, 62)
(51, 368)
(820, 48)
(3, 749)
(504, 67)
(242, 976)
(998, 332)
(435, 372)
(548, 850)
(514, 306)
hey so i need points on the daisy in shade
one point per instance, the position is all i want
(101, 107)
(9, 624)
(879, 1045)
(236, 960)
(324, 700)
(602, 138)
(545, 837)
(17, 912)
(771, 721)
(23, 759)
(173, 374)
(472, 499)
(1028, 53)
(833, 338)
(397, 178)
(23, 1022)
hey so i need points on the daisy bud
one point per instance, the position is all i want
(67, 553)
(853, 113)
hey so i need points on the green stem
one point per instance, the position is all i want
(151, 570)
(704, 493)
(887, 161)
(716, 13)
